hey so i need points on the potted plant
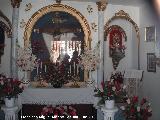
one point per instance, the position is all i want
(9, 89)
(137, 110)
(109, 92)
(89, 60)
(26, 61)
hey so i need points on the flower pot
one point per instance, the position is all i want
(25, 80)
(109, 104)
(9, 102)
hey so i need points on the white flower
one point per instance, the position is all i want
(128, 101)
(21, 85)
(124, 87)
(149, 104)
(90, 58)
(122, 108)
(112, 80)
(138, 108)
(26, 61)
(114, 88)
(150, 109)
(101, 89)
(1, 82)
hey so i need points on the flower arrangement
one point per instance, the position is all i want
(26, 61)
(10, 87)
(90, 58)
(58, 112)
(135, 110)
(111, 90)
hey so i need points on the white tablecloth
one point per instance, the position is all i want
(56, 96)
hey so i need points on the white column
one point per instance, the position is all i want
(11, 113)
(101, 7)
(109, 113)
(15, 16)
(101, 39)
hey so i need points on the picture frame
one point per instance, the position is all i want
(150, 34)
(151, 62)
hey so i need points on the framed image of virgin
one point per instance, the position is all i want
(151, 62)
(150, 34)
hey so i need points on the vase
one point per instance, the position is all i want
(90, 82)
(25, 80)
(109, 104)
(9, 102)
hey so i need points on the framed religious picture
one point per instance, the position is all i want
(151, 62)
(150, 34)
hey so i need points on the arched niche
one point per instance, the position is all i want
(5, 27)
(56, 15)
(125, 16)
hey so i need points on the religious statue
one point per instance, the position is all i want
(117, 49)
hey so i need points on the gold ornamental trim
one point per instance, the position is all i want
(15, 3)
(123, 15)
(102, 5)
(7, 27)
(57, 7)
(108, 30)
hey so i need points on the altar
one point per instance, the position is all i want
(56, 96)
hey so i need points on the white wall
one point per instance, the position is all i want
(129, 61)
(151, 81)
(6, 8)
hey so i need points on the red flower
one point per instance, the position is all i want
(135, 99)
(132, 110)
(103, 84)
(143, 101)
(117, 85)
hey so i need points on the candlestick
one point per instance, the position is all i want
(74, 67)
(41, 65)
(70, 69)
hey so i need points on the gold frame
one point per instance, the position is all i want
(123, 15)
(57, 7)
(64, 8)
(150, 34)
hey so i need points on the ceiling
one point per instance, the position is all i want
(127, 2)
(117, 2)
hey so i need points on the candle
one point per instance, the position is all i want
(45, 68)
(74, 67)
(77, 69)
(41, 65)
(70, 69)
(37, 70)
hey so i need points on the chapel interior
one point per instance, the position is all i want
(62, 51)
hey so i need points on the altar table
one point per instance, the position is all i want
(57, 96)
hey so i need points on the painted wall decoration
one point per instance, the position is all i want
(22, 23)
(94, 26)
(89, 9)
(28, 7)
(150, 34)
(117, 37)
(151, 63)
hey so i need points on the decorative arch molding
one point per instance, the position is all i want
(5, 24)
(57, 7)
(123, 15)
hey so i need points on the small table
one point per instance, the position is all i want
(109, 113)
(10, 112)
